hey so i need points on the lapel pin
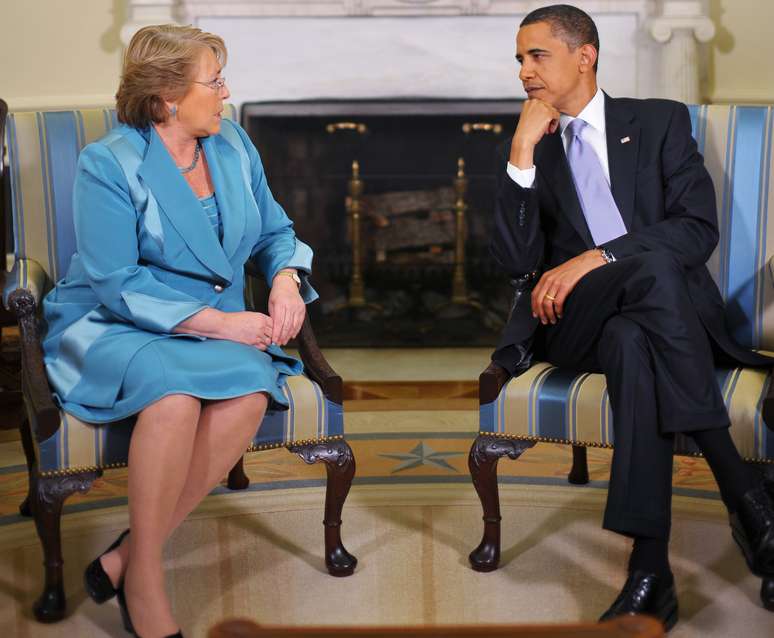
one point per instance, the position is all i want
(625, 140)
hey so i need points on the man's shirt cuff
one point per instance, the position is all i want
(523, 177)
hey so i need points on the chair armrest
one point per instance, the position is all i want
(316, 366)
(44, 414)
(26, 274)
(767, 408)
(490, 382)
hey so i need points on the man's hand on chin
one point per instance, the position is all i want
(538, 118)
(555, 285)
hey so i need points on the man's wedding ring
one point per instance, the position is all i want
(547, 296)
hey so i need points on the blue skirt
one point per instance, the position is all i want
(208, 369)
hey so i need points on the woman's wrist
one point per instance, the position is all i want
(208, 322)
(287, 276)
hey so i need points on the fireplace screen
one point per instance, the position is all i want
(396, 199)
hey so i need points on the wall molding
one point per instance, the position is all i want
(667, 40)
(60, 102)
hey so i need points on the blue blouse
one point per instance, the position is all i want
(210, 205)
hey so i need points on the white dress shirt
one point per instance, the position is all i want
(593, 134)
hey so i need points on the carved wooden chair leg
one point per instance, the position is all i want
(579, 474)
(49, 496)
(340, 466)
(237, 479)
(25, 508)
(482, 462)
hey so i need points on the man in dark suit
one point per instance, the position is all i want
(605, 205)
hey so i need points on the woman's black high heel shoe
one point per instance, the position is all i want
(127, 619)
(97, 582)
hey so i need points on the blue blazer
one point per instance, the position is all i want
(147, 257)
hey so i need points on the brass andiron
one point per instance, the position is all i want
(354, 207)
(459, 284)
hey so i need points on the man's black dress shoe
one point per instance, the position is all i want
(96, 581)
(752, 526)
(767, 593)
(646, 593)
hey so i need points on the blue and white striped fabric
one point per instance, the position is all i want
(736, 142)
(555, 405)
(549, 404)
(43, 149)
(77, 446)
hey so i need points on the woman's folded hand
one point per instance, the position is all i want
(251, 328)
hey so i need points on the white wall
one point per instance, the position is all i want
(59, 53)
(742, 65)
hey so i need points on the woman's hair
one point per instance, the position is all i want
(159, 65)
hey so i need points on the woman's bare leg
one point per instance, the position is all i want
(159, 459)
(224, 431)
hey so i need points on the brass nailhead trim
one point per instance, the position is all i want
(545, 439)
(253, 448)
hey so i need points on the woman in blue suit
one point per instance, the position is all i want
(150, 318)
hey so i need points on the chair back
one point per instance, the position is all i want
(736, 142)
(43, 149)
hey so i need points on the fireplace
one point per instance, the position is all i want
(408, 153)
(303, 54)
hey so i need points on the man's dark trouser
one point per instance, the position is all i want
(633, 320)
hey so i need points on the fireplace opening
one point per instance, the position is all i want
(396, 198)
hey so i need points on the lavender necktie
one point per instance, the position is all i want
(602, 215)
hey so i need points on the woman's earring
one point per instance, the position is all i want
(173, 111)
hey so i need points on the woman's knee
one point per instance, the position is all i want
(174, 407)
(255, 404)
(247, 409)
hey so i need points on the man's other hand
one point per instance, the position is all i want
(555, 285)
(536, 120)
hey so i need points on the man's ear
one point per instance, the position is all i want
(588, 57)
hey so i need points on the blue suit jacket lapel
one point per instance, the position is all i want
(224, 164)
(622, 156)
(178, 202)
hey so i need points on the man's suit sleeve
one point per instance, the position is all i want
(518, 240)
(689, 230)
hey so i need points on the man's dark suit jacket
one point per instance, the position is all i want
(665, 197)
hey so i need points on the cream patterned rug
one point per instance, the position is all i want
(257, 554)
(411, 518)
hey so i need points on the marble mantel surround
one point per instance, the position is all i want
(309, 49)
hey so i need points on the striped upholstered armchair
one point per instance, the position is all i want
(548, 404)
(65, 455)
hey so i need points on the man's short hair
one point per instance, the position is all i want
(571, 25)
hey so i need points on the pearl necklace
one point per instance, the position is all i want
(197, 152)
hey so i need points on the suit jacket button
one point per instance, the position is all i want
(218, 288)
